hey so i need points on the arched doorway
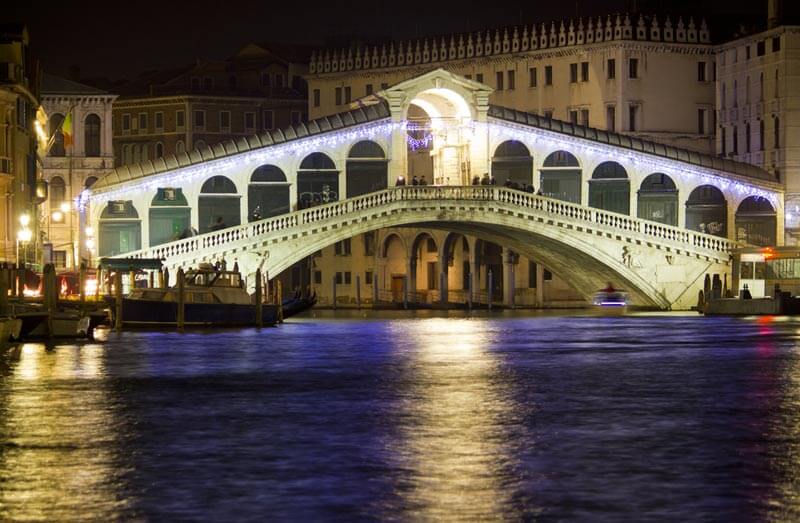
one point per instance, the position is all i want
(561, 177)
(658, 199)
(366, 169)
(756, 222)
(170, 216)
(120, 229)
(268, 193)
(394, 254)
(456, 268)
(218, 205)
(609, 188)
(512, 161)
(707, 211)
(419, 144)
(317, 181)
(489, 257)
(424, 265)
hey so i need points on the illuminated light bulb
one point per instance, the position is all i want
(24, 220)
(89, 231)
(58, 216)
(65, 207)
(90, 243)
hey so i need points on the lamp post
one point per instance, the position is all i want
(24, 236)
(89, 232)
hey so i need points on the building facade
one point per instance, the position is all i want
(22, 139)
(71, 168)
(171, 112)
(758, 106)
(647, 77)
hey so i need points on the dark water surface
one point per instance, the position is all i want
(553, 418)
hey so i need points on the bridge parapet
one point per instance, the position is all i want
(256, 232)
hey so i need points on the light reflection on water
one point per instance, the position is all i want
(658, 417)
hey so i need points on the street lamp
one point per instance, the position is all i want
(89, 232)
(24, 235)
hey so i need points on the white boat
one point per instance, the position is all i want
(610, 302)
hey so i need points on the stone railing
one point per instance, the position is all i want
(540, 205)
(509, 40)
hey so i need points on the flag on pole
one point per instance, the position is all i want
(66, 130)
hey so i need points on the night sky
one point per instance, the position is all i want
(121, 40)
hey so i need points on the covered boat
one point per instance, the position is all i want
(610, 301)
(211, 297)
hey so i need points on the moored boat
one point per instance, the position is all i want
(211, 297)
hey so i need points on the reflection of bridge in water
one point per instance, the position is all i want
(615, 208)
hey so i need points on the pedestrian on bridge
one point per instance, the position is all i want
(423, 181)
(414, 180)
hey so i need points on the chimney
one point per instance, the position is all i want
(774, 13)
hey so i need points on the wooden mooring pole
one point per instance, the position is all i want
(181, 318)
(118, 301)
(259, 301)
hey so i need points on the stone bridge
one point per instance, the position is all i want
(662, 266)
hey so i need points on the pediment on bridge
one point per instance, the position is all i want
(474, 94)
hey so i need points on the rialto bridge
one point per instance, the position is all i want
(593, 206)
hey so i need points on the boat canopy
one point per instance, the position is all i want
(130, 264)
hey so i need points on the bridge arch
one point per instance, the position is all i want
(512, 161)
(267, 193)
(561, 177)
(658, 199)
(219, 204)
(424, 263)
(609, 188)
(707, 211)
(393, 265)
(756, 222)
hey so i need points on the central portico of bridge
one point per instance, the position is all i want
(606, 207)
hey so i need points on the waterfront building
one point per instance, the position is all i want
(73, 165)
(758, 106)
(163, 113)
(22, 139)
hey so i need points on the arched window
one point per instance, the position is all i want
(159, 150)
(268, 193)
(317, 180)
(126, 156)
(512, 162)
(366, 169)
(57, 148)
(199, 144)
(658, 199)
(609, 188)
(58, 191)
(707, 211)
(561, 177)
(756, 222)
(180, 147)
(89, 182)
(218, 204)
(91, 135)
(169, 216)
(120, 229)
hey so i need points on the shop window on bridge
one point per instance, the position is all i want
(267, 194)
(120, 229)
(512, 162)
(707, 211)
(756, 222)
(658, 199)
(169, 216)
(317, 181)
(367, 169)
(609, 188)
(218, 205)
(561, 177)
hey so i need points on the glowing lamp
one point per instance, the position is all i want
(58, 216)
(24, 220)
(89, 231)
(90, 243)
(24, 235)
(65, 207)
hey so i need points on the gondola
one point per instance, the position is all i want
(297, 304)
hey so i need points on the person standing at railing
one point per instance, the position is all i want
(423, 181)
(401, 181)
(414, 180)
(485, 179)
(476, 180)
(218, 225)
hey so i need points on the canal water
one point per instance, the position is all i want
(409, 417)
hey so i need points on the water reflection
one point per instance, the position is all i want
(456, 424)
(59, 453)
